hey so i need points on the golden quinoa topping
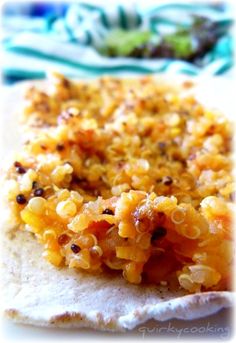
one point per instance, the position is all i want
(129, 174)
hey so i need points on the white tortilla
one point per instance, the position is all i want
(35, 292)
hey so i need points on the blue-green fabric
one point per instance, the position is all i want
(67, 43)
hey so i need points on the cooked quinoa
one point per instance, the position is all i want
(127, 174)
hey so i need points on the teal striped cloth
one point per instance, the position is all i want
(67, 43)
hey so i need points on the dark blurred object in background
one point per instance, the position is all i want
(35, 8)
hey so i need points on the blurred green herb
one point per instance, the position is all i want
(122, 43)
(187, 44)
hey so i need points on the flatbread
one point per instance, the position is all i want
(35, 292)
